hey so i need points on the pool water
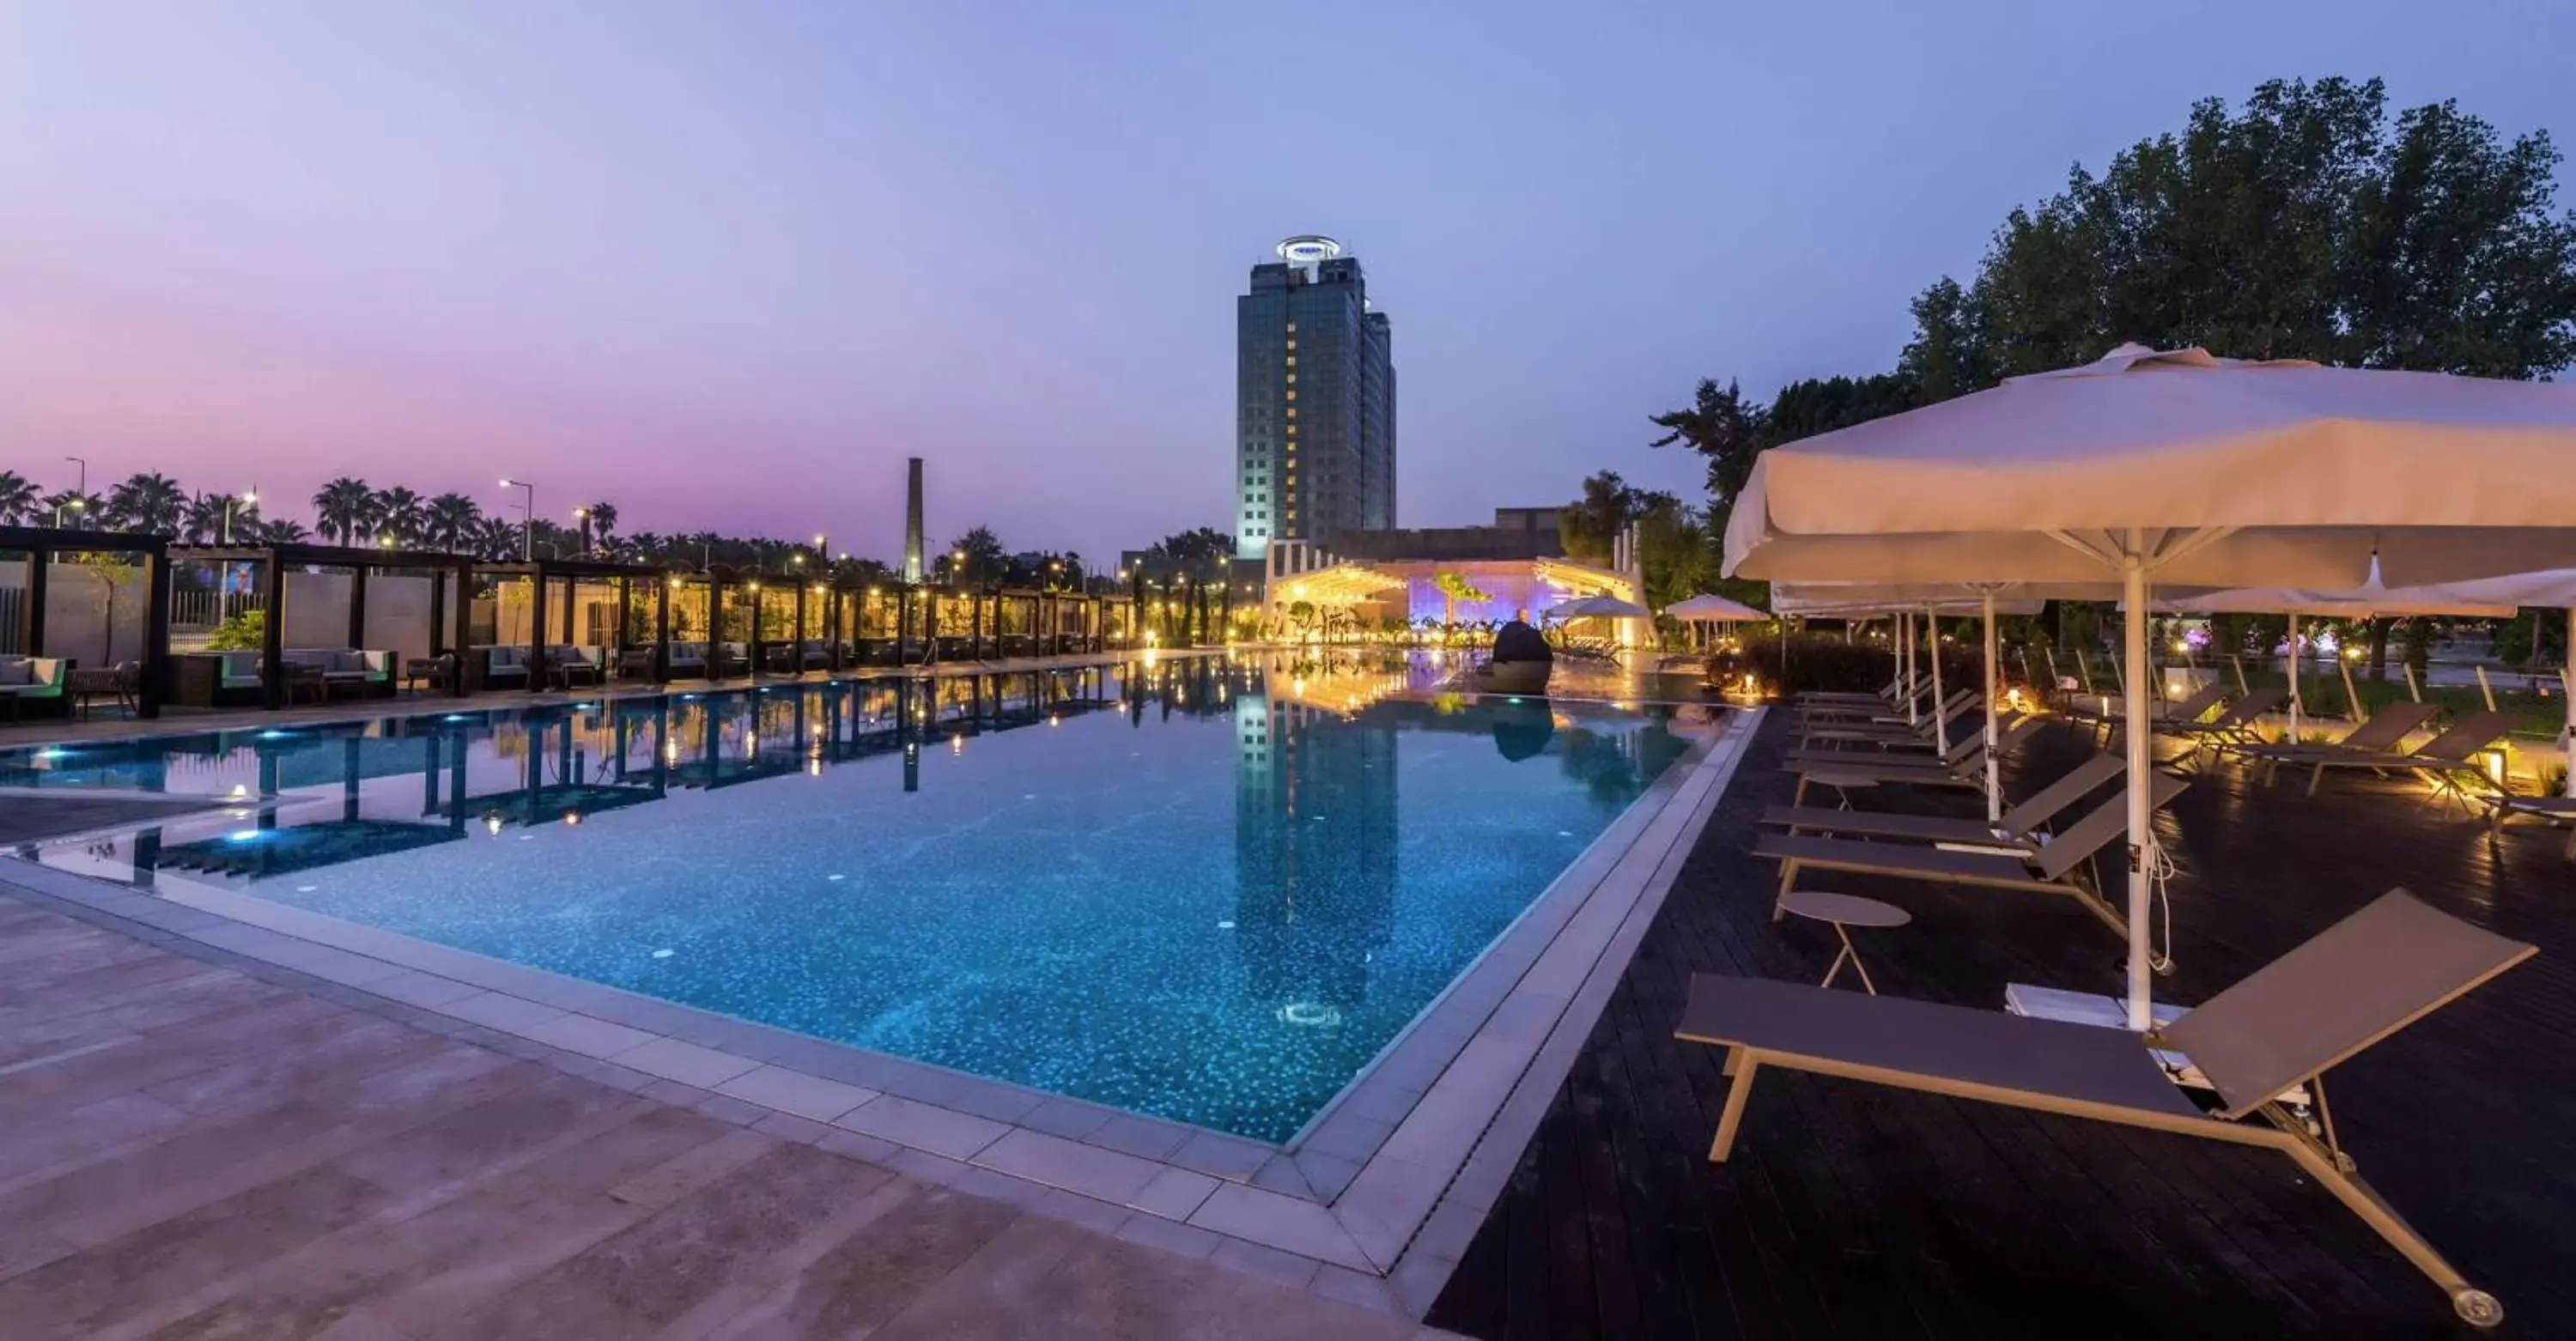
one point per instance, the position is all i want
(1201, 890)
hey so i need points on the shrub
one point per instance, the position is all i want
(241, 631)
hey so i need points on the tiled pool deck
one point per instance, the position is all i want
(1374, 1203)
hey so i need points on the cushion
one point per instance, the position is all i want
(17, 671)
(348, 661)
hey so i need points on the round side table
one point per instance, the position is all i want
(1842, 911)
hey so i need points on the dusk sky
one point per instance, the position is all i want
(728, 264)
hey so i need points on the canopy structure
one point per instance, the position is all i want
(2179, 467)
(1708, 609)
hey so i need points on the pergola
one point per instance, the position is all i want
(274, 560)
(544, 575)
(41, 544)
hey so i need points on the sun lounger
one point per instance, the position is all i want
(1921, 733)
(2056, 867)
(2449, 760)
(2552, 809)
(2019, 827)
(2190, 709)
(2278, 1030)
(2236, 723)
(2386, 730)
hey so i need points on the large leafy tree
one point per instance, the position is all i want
(2299, 225)
(1589, 526)
(982, 556)
(1195, 546)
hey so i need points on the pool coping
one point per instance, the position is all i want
(1374, 1201)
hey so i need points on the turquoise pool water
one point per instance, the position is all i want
(1202, 891)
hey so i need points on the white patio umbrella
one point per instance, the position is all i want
(2183, 468)
(1708, 609)
(1597, 607)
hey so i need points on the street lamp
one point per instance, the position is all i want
(248, 498)
(79, 501)
(581, 516)
(527, 529)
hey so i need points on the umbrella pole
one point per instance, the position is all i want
(1904, 625)
(2141, 743)
(1940, 720)
(2294, 677)
(1994, 785)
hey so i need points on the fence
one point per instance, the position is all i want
(205, 609)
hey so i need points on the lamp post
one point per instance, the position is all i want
(247, 498)
(528, 528)
(79, 501)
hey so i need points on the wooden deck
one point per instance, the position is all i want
(1853, 1211)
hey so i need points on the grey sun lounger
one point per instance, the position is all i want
(2280, 1029)
(2018, 827)
(2191, 709)
(2386, 730)
(2548, 808)
(1891, 713)
(2234, 726)
(2449, 759)
(1897, 732)
(2058, 867)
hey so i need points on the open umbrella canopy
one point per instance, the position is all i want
(1873, 600)
(1601, 607)
(2181, 468)
(2488, 598)
(1708, 608)
(2211, 472)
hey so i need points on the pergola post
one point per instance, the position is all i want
(537, 633)
(715, 627)
(929, 625)
(796, 654)
(438, 611)
(156, 634)
(975, 624)
(758, 646)
(38, 561)
(625, 611)
(835, 624)
(358, 607)
(464, 577)
(272, 661)
(662, 637)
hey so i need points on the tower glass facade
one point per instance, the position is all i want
(1314, 401)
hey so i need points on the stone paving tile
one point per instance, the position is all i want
(1174, 1193)
(1269, 1263)
(588, 1036)
(687, 1063)
(499, 1010)
(1170, 1236)
(1301, 1227)
(1057, 1162)
(796, 1092)
(921, 1126)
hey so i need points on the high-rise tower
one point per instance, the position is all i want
(1314, 411)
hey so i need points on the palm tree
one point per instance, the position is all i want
(449, 522)
(18, 504)
(602, 517)
(397, 514)
(279, 532)
(148, 503)
(343, 508)
(495, 538)
(203, 521)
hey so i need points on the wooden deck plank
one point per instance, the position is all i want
(1850, 1210)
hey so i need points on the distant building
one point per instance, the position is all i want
(1314, 401)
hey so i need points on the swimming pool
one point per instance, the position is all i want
(1202, 890)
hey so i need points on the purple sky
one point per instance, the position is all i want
(727, 265)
